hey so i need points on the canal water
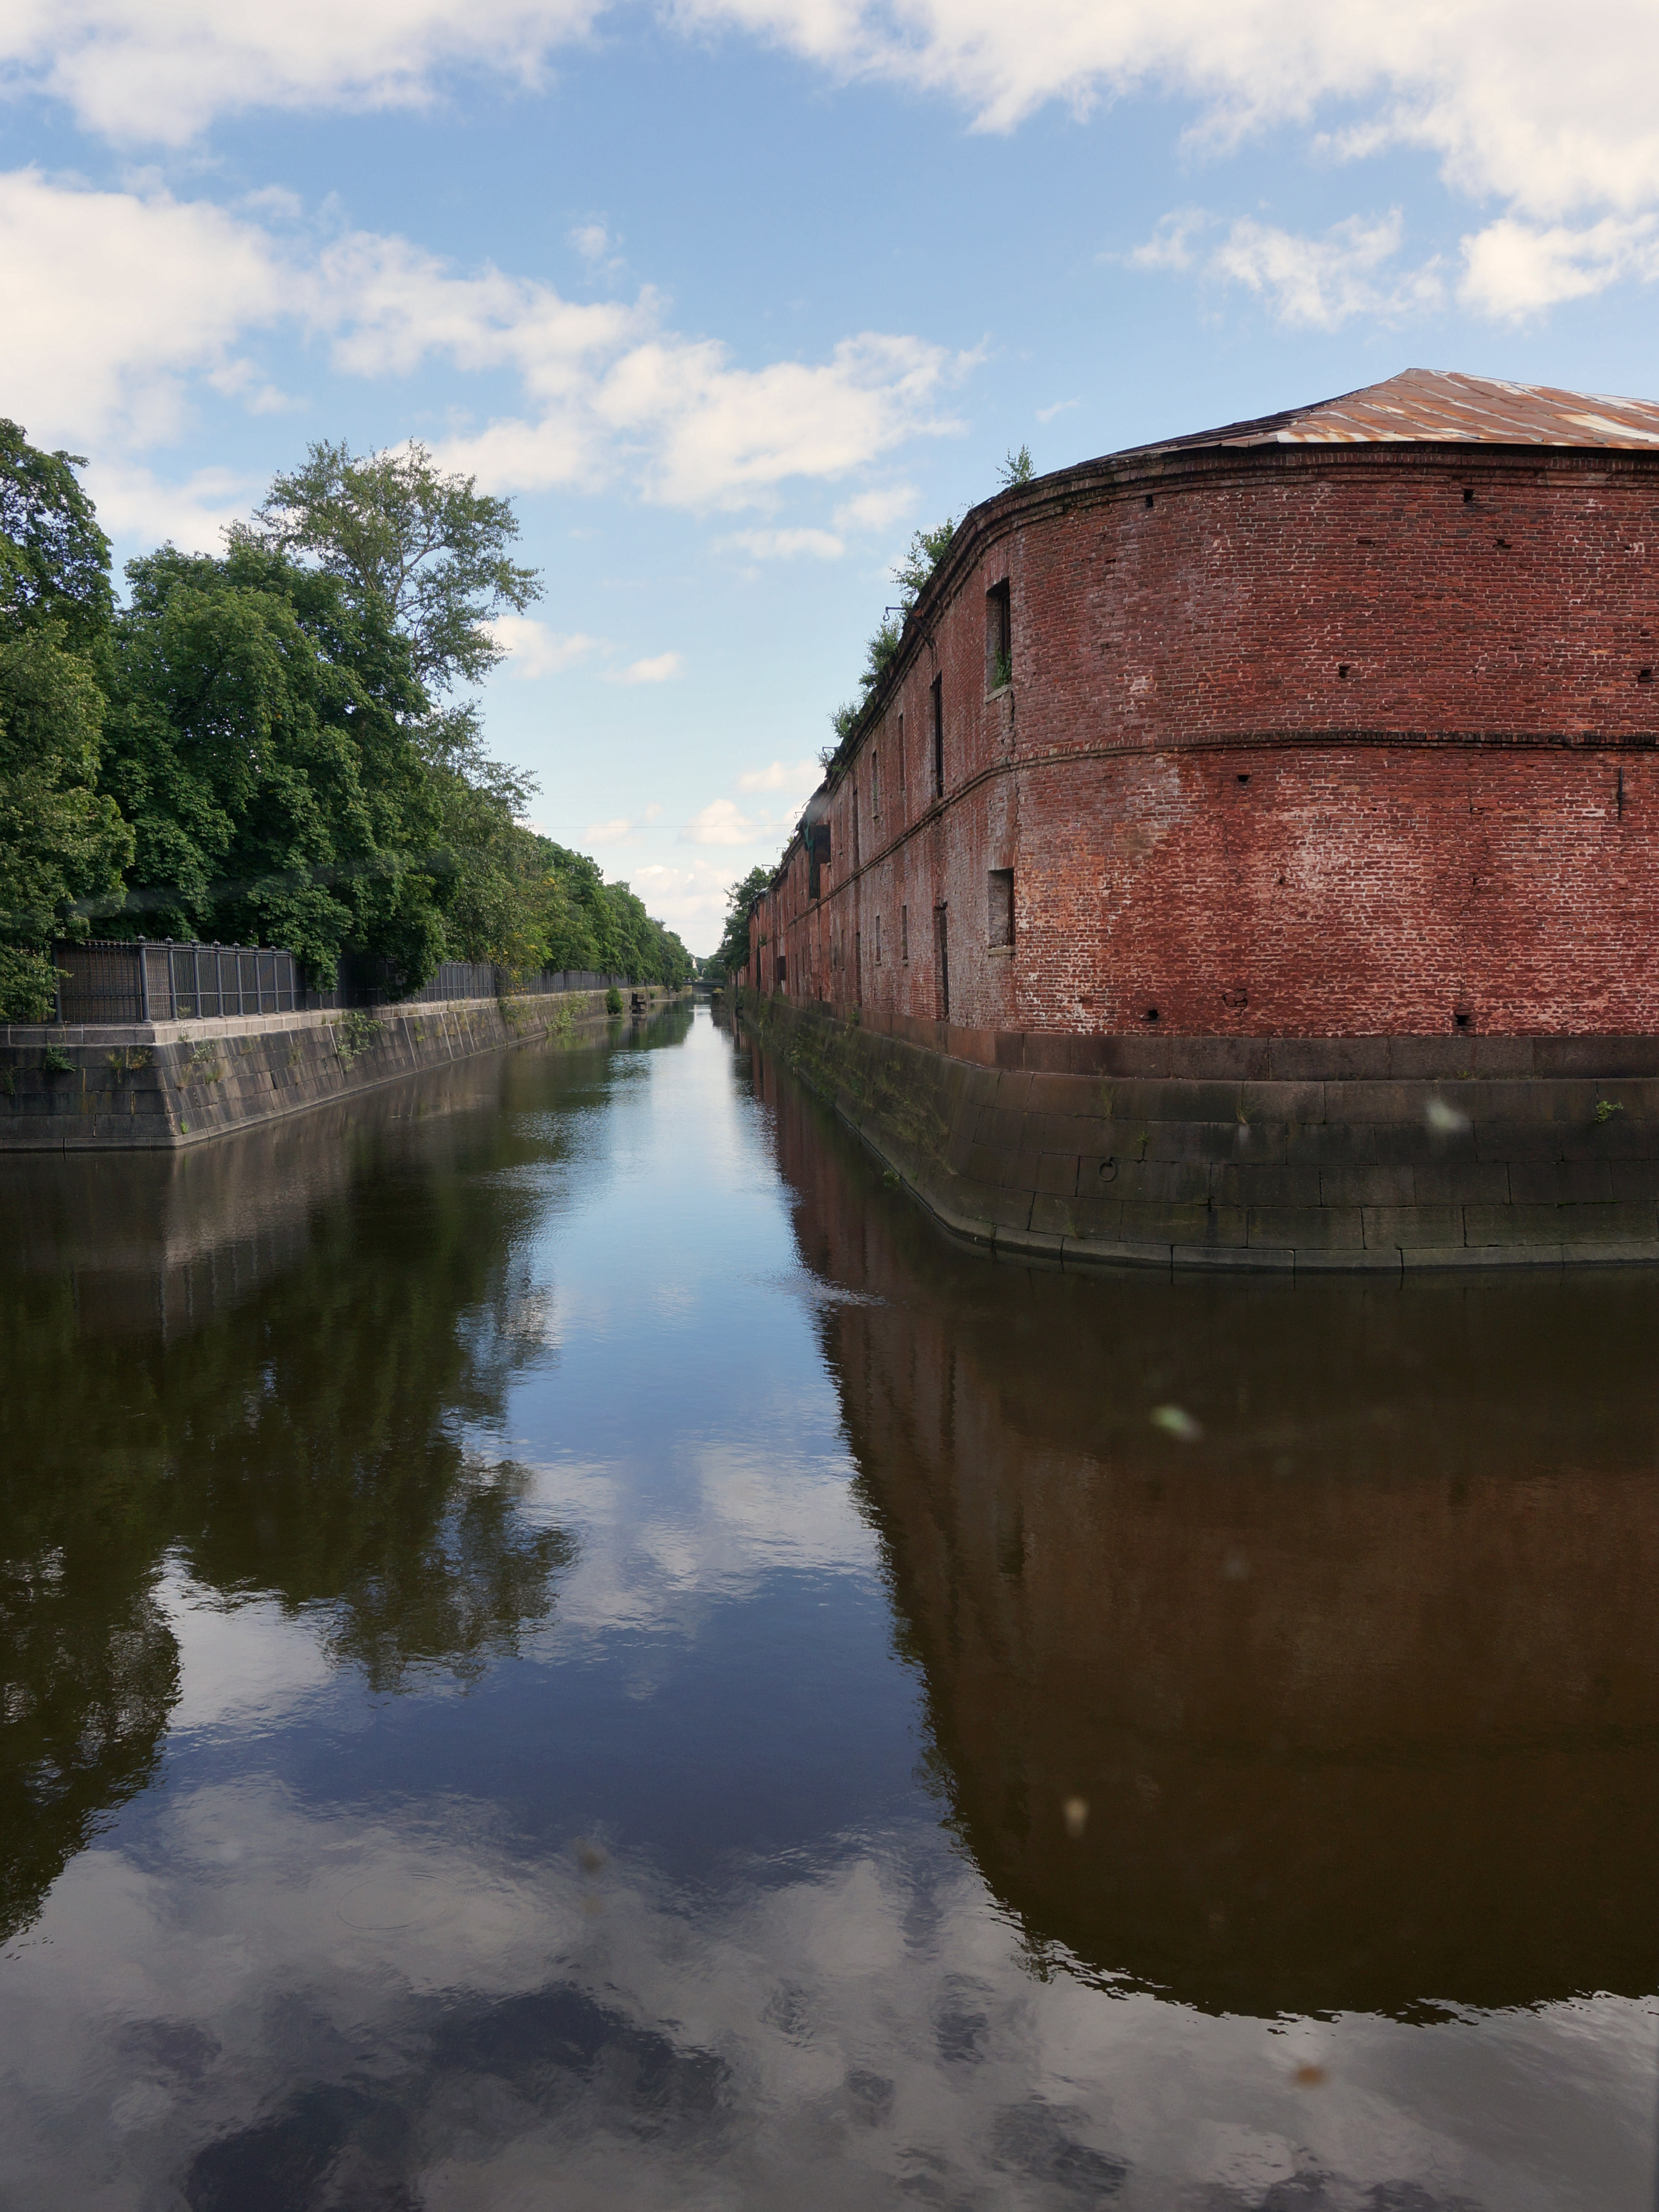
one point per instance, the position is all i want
(561, 1649)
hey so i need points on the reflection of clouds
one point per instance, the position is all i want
(656, 1558)
(863, 2034)
(245, 1665)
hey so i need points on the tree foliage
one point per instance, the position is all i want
(257, 742)
(60, 841)
(425, 551)
(732, 956)
(258, 746)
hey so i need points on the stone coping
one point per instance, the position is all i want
(92, 1034)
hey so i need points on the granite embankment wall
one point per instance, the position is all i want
(1375, 1154)
(139, 1086)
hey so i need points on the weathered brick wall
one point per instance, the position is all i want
(1301, 741)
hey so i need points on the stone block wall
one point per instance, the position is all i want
(172, 1084)
(1328, 1171)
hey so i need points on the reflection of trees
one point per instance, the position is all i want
(1361, 1691)
(263, 1359)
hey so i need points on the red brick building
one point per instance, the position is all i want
(1337, 724)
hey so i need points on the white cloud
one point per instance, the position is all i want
(622, 828)
(782, 544)
(876, 510)
(799, 775)
(122, 307)
(660, 668)
(1316, 284)
(1544, 109)
(722, 822)
(161, 71)
(532, 649)
(1060, 407)
(1512, 269)
(114, 300)
(591, 240)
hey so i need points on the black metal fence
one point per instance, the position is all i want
(116, 981)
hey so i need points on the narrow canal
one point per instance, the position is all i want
(561, 1650)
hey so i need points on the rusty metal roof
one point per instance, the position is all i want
(1440, 407)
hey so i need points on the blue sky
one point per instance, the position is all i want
(730, 297)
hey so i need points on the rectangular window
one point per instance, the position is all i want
(855, 825)
(942, 959)
(901, 755)
(905, 935)
(999, 889)
(938, 736)
(998, 637)
(875, 787)
(782, 964)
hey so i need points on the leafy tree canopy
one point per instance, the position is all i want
(255, 744)
(54, 559)
(731, 957)
(426, 550)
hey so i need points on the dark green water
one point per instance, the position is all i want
(560, 1650)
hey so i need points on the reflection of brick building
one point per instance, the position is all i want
(1361, 1688)
(1338, 724)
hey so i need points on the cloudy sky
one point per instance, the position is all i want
(729, 296)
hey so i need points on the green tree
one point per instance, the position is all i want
(54, 559)
(1015, 469)
(425, 550)
(730, 956)
(258, 742)
(928, 549)
(60, 843)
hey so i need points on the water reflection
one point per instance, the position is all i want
(549, 1670)
(256, 1364)
(1353, 1700)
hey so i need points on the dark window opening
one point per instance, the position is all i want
(878, 941)
(905, 935)
(938, 738)
(1000, 889)
(943, 958)
(998, 637)
(875, 785)
(855, 825)
(817, 858)
(1468, 496)
(782, 966)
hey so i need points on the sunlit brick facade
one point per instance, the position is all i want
(1339, 724)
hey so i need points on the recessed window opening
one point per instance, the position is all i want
(905, 935)
(1150, 1014)
(855, 825)
(1342, 670)
(1468, 495)
(875, 785)
(999, 904)
(1243, 779)
(1644, 676)
(939, 740)
(1148, 499)
(878, 941)
(998, 637)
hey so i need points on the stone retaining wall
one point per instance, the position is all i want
(140, 1085)
(1344, 1172)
